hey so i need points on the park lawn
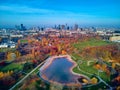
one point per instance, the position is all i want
(88, 69)
(37, 70)
(80, 72)
(100, 86)
(23, 41)
(84, 67)
(92, 70)
(12, 66)
(7, 49)
(104, 76)
(90, 43)
(77, 57)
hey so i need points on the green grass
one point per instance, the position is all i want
(90, 43)
(88, 69)
(108, 63)
(104, 76)
(100, 86)
(80, 72)
(84, 67)
(12, 66)
(23, 41)
(76, 56)
(36, 70)
(92, 70)
(7, 49)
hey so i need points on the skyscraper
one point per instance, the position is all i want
(63, 27)
(22, 27)
(76, 27)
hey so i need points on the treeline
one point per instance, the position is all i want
(107, 52)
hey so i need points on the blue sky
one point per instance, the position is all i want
(50, 12)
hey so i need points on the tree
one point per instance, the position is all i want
(1, 75)
(94, 80)
(113, 65)
(18, 54)
(85, 80)
(63, 52)
(11, 56)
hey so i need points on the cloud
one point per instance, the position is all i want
(23, 9)
(30, 14)
(17, 9)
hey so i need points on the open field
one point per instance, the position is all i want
(89, 69)
(7, 49)
(12, 66)
(84, 66)
(90, 43)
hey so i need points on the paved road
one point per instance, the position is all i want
(26, 76)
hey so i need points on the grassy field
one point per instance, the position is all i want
(80, 72)
(100, 86)
(12, 66)
(88, 68)
(23, 41)
(90, 43)
(7, 49)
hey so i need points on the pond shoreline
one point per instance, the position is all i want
(49, 62)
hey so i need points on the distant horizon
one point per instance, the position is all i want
(45, 12)
(52, 26)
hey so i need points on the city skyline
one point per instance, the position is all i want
(44, 12)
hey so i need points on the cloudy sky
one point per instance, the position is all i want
(50, 12)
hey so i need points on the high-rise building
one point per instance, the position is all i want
(68, 27)
(63, 27)
(22, 27)
(59, 28)
(76, 27)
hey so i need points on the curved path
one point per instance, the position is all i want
(101, 80)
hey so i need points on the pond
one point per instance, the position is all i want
(59, 70)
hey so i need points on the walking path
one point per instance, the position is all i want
(80, 62)
(101, 80)
(26, 76)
